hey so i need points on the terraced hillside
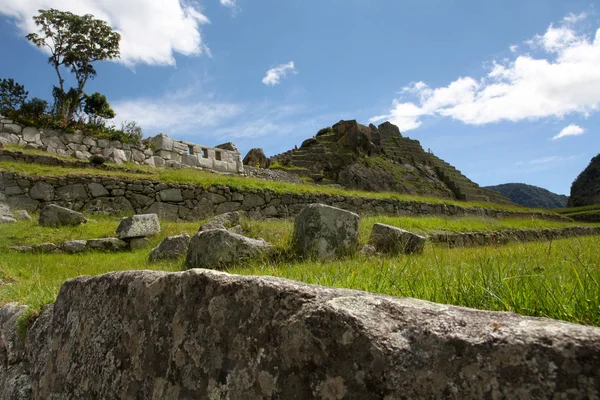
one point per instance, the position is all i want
(380, 159)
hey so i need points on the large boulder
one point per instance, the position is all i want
(323, 231)
(219, 249)
(136, 226)
(56, 216)
(171, 248)
(256, 158)
(392, 240)
(222, 221)
(207, 334)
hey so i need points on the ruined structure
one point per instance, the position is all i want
(380, 159)
(157, 151)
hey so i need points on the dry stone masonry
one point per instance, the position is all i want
(206, 334)
(157, 151)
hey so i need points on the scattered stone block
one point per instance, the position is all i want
(22, 215)
(324, 232)
(170, 248)
(56, 216)
(107, 244)
(140, 225)
(74, 246)
(138, 243)
(4, 219)
(222, 221)
(219, 249)
(392, 240)
(45, 248)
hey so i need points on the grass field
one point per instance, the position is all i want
(558, 279)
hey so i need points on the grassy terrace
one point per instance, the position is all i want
(559, 279)
(207, 179)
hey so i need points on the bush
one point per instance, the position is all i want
(34, 108)
(12, 95)
(325, 131)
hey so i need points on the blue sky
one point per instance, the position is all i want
(487, 86)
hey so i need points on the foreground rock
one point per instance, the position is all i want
(205, 334)
(218, 249)
(324, 231)
(392, 240)
(56, 216)
(222, 221)
(137, 226)
(170, 248)
(6, 217)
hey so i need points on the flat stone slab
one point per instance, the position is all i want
(203, 332)
(140, 225)
(393, 240)
(107, 244)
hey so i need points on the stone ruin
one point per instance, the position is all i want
(156, 151)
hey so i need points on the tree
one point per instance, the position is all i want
(97, 108)
(12, 95)
(74, 42)
(34, 108)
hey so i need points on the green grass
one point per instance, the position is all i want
(571, 210)
(207, 179)
(558, 279)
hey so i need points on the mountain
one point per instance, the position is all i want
(530, 196)
(585, 190)
(379, 158)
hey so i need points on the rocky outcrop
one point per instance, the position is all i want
(56, 216)
(220, 249)
(392, 240)
(585, 190)
(324, 232)
(256, 158)
(206, 334)
(171, 248)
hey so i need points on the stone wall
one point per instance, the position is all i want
(192, 202)
(203, 334)
(157, 151)
(468, 239)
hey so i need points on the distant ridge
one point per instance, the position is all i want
(530, 196)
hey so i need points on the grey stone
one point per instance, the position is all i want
(138, 243)
(5, 219)
(140, 225)
(90, 142)
(22, 249)
(109, 205)
(75, 192)
(12, 128)
(97, 190)
(171, 248)
(162, 142)
(208, 334)
(103, 143)
(228, 206)
(76, 138)
(74, 246)
(368, 249)
(22, 215)
(31, 134)
(53, 143)
(218, 248)
(107, 244)
(202, 210)
(23, 202)
(213, 197)
(393, 240)
(172, 195)
(226, 220)
(212, 225)
(323, 231)
(253, 200)
(56, 216)
(45, 248)
(164, 211)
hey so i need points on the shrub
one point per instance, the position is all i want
(12, 95)
(325, 131)
(34, 108)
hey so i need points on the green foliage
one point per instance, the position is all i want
(12, 95)
(325, 131)
(529, 195)
(75, 42)
(276, 165)
(96, 106)
(34, 108)
(585, 190)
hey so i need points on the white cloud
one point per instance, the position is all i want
(151, 31)
(571, 130)
(565, 80)
(513, 48)
(228, 3)
(275, 74)
(174, 116)
(547, 160)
